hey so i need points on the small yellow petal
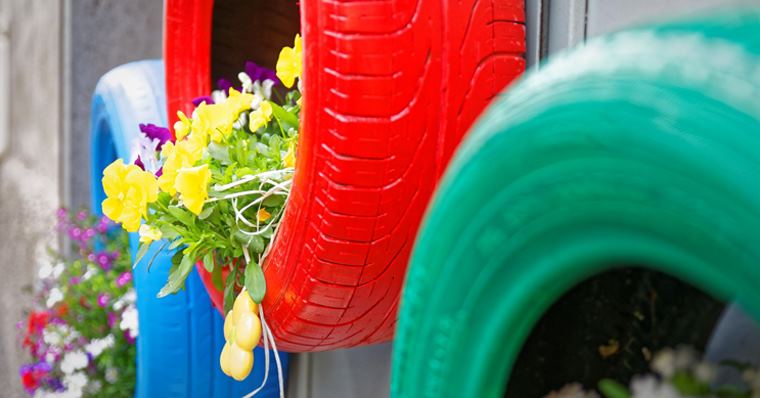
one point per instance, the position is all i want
(192, 185)
(149, 233)
(290, 157)
(262, 215)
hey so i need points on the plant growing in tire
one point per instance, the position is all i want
(215, 191)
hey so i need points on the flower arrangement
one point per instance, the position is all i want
(677, 373)
(216, 190)
(81, 333)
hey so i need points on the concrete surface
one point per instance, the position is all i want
(99, 35)
(29, 173)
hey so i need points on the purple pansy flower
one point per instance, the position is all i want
(205, 98)
(162, 134)
(260, 73)
(139, 163)
(225, 85)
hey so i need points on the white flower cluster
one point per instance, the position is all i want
(97, 346)
(129, 320)
(73, 361)
(665, 365)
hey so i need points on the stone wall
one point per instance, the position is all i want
(29, 172)
(100, 35)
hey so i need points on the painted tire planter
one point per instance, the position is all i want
(389, 91)
(641, 147)
(181, 335)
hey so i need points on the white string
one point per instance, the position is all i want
(266, 366)
(268, 337)
(277, 188)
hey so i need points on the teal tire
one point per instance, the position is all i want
(642, 147)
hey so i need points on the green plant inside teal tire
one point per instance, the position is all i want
(642, 147)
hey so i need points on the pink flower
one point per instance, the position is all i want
(123, 279)
(103, 299)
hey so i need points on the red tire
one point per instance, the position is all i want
(390, 88)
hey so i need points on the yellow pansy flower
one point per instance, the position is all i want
(262, 215)
(260, 117)
(290, 156)
(182, 126)
(238, 102)
(192, 186)
(290, 63)
(177, 156)
(128, 190)
(242, 332)
(149, 233)
(214, 121)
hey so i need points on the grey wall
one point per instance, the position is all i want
(572, 21)
(29, 165)
(99, 35)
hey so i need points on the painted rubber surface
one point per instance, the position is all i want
(389, 91)
(180, 336)
(641, 146)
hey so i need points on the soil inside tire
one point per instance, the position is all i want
(608, 327)
(250, 30)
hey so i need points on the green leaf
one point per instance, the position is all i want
(208, 261)
(177, 277)
(254, 243)
(182, 216)
(255, 282)
(229, 290)
(274, 201)
(688, 384)
(153, 257)
(207, 210)
(612, 389)
(175, 244)
(140, 253)
(216, 277)
(169, 232)
(219, 152)
(286, 119)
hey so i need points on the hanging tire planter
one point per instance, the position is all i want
(389, 91)
(180, 336)
(642, 147)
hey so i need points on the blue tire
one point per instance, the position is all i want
(180, 336)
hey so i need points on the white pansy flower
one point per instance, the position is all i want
(261, 91)
(74, 361)
(52, 338)
(246, 82)
(55, 296)
(129, 320)
(147, 149)
(218, 96)
(650, 387)
(45, 271)
(112, 374)
(97, 346)
(89, 273)
(75, 383)
(57, 270)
